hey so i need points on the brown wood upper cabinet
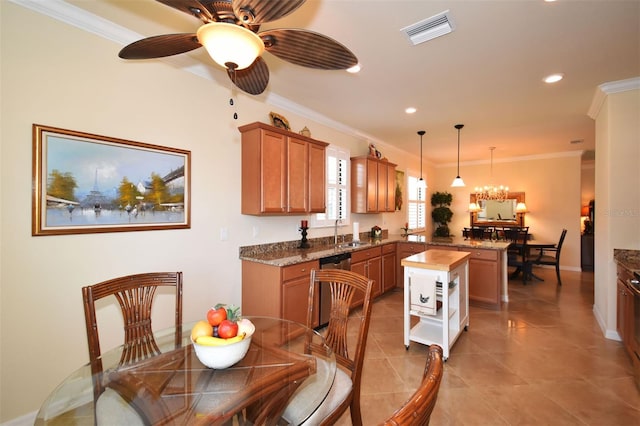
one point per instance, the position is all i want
(373, 185)
(282, 172)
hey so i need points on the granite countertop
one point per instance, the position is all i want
(629, 259)
(279, 254)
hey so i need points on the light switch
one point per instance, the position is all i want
(256, 231)
(224, 234)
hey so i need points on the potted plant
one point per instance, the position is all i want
(441, 213)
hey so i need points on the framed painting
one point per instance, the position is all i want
(85, 183)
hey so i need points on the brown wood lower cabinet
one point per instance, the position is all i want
(485, 271)
(625, 311)
(388, 267)
(368, 262)
(485, 278)
(281, 292)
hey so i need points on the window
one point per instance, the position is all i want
(416, 208)
(337, 188)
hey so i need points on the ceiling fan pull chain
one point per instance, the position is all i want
(235, 114)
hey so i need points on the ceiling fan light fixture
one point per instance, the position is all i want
(354, 69)
(229, 45)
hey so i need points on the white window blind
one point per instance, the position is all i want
(337, 188)
(416, 209)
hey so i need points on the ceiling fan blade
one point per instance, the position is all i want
(308, 49)
(160, 46)
(252, 80)
(190, 7)
(261, 11)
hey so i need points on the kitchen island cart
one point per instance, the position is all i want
(436, 291)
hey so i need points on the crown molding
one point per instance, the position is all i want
(606, 89)
(515, 159)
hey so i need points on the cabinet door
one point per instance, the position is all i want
(317, 171)
(374, 272)
(274, 173)
(391, 188)
(372, 186)
(360, 268)
(483, 287)
(388, 271)
(298, 175)
(295, 300)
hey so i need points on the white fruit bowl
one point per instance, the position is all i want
(224, 356)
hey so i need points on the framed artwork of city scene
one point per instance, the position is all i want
(86, 183)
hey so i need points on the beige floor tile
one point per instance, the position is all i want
(541, 360)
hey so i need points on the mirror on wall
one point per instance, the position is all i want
(498, 213)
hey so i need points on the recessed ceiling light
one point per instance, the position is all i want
(410, 110)
(549, 1)
(553, 78)
(354, 69)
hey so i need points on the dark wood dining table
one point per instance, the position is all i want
(175, 388)
(534, 245)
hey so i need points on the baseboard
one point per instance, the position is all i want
(608, 334)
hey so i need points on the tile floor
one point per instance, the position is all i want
(542, 360)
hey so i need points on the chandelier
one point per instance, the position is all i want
(491, 191)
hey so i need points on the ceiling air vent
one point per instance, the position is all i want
(430, 28)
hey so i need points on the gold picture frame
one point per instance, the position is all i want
(85, 183)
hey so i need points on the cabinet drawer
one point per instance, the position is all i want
(362, 255)
(482, 254)
(299, 270)
(412, 247)
(388, 248)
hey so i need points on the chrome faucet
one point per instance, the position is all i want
(335, 232)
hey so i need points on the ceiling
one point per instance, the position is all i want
(486, 74)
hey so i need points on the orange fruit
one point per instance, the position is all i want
(201, 328)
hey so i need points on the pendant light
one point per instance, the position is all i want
(421, 182)
(458, 182)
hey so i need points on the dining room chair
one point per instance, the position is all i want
(518, 252)
(416, 411)
(346, 335)
(551, 256)
(135, 294)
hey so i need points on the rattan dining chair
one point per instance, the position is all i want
(416, 411)
(551, 256)
(135, 295)
(346, 287)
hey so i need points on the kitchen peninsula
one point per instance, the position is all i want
(275, 276)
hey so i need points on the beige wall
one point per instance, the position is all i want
(57, 75)
(617, 212)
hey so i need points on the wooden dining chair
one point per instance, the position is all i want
(346, 286)
(416, 411)
(135, 295)
(551, 256)
(517, 252)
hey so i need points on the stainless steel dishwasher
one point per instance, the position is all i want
(337, 261)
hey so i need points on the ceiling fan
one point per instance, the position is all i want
(232, 38)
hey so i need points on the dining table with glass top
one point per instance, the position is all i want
(175, 388)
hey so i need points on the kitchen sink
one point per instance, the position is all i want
(352, 244)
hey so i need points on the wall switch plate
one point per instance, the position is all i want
(224, 234)
(256, 231)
